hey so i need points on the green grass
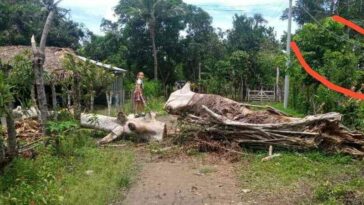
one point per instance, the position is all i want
(153, 105)
(289, 110)
(330, 179)
(280, 107)
(85, 175)
(207, 170)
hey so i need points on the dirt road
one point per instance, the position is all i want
(192, 181)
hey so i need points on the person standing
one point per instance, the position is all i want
(139, 100)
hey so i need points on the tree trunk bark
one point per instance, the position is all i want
(39, 82)
(12, 145)
(32, 96)
(38, 62)
(212, 117)
(2, 152)
(152, 25)
(147, 128)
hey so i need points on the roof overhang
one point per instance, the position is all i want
(107, 66)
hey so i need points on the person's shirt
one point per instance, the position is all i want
(140, 83)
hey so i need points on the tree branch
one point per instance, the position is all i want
(46, 29)
(57, 2)
(333, 117)
(34, 45)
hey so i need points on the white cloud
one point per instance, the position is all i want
(240, 4)
(270, 9)
(90, 12)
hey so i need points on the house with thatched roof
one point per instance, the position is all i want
(54, 65)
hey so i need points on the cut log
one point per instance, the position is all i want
(219, 118)
(147, 128)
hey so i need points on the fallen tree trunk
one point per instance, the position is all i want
(224, 120)
(147, 128)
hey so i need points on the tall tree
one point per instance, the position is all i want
(309, 11)
(250, 34)
(198, 41)
(149, 11)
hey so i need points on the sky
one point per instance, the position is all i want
(91, 12)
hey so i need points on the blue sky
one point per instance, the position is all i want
(90, 12)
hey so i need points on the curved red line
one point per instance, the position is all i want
(349, 24)
(321, 78)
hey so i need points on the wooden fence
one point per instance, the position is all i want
(263, 95)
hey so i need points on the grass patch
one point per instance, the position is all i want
(207, 170)
(153, 105)
(279, 106)
(331, 178)
(85, 175)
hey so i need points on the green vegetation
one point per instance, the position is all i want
(153, 104)
(20, 20)
(207, 170)
(329, 179)
(83, 173)
(336, 60)
(146, 36)
(279, 106)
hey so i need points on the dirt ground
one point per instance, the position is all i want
(203, 179)
(191, 181)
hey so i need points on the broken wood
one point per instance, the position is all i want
(147, 128)
(270, 157)
(224, 120)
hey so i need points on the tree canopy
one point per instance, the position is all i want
(19, 20)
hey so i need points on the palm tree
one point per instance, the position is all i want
(148, 10)
(258, 19)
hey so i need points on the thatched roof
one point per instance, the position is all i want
(54, 58)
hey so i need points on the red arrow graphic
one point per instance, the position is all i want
(321, 78)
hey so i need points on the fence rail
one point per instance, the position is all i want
(262, 95)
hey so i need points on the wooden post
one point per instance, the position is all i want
(261, 95)
(248, 94)
(54, 100)
(277, 98)
(92, 99)
(199, 72)
(109, 96)
(76, 87)
(270, 152)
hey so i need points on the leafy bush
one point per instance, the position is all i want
(334, 59)
(65, 137)
(153, 89)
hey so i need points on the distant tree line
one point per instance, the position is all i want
(170, 40)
